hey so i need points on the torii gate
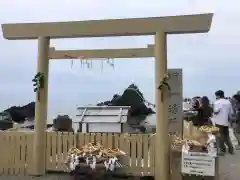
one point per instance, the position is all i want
(158, 26)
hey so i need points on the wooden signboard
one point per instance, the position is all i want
(195, 163)
(175, 108)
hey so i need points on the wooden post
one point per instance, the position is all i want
(161, 97)
(39, 144)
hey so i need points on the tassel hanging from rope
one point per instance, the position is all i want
(110, 62)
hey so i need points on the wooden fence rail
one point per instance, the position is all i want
(16, 150)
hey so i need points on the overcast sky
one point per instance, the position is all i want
(209, 61)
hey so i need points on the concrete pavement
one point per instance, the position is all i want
(229, 166)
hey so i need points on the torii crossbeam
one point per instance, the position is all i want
(98, 54)
(158, 26)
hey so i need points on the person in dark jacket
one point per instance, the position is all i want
(236, 122)
(205, 111)
(236, 109)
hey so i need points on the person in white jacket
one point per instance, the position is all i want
(223, 111)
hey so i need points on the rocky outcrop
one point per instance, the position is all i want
(20, 113)
(63, 123)
(134, 98)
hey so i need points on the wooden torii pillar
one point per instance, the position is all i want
(158, 26)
